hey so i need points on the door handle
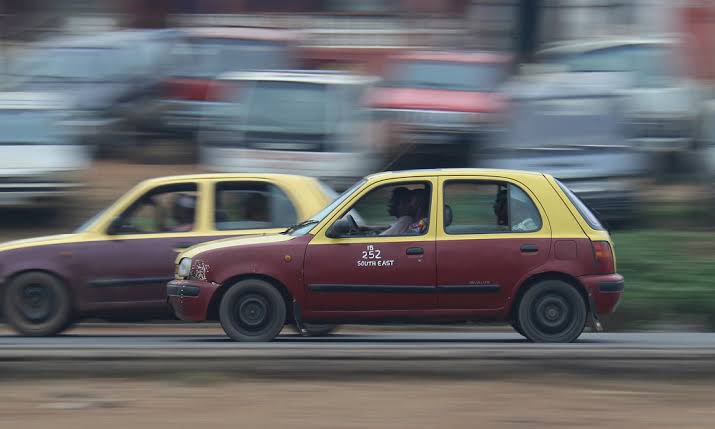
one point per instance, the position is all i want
(415, 251)
(529, 248)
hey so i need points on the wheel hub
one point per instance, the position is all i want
(35, 302)
(253, 311)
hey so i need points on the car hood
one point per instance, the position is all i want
(225, 243)
(40, 241)
(434, 99)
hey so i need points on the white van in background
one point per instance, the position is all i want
(40, 157)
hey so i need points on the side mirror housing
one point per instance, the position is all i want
(341, 228)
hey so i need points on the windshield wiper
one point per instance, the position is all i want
(300, 225)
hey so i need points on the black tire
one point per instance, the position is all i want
(552, 311)
(517, 328)
(37, 304)
(318, 330)
(252, 310)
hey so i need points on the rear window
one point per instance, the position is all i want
(582, 208)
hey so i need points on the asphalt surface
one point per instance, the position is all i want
(356, 352)
(137, 340)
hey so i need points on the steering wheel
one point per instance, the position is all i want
(351, 222)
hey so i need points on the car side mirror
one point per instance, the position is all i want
(341, 228)
(116, 227)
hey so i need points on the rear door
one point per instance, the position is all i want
(492, 233)
(376, 269)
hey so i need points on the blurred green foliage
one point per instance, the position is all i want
(670, 278)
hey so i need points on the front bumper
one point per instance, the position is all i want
(604, 290)
(24, 194)
(190, 299)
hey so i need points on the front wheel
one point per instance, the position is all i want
(252, 310)
(552, 311)
(37, 304)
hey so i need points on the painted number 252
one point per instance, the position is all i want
(371, 254)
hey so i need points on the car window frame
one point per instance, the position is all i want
(494, 181)
(135, 197)
(339, 212)
(214, 193)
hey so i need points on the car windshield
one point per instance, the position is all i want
(305, 227)
(277, 106)
(449, 75)
(207, 58)
(650, 63)
(89, 223)
(27, 127)
(68, 64)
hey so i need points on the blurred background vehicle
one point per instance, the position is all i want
(307, 122)
(41, 160)
(570, 126)
(439, 107)
(206, 53)
(108, 81)
(661, 107)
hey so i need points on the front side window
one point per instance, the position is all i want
(488, 207)
(165, 209)
(391, 211)
(252, 205)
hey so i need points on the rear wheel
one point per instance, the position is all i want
(552, 311)
(252, 310)
(37, 304)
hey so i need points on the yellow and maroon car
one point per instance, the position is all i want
(116, 266)
(427, 245)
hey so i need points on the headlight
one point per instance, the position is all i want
(184, 268)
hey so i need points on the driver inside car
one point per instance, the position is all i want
(399, 207)
(183, 212)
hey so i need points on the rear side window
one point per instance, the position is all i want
(484, 207)
(582, 208)
(252, 205)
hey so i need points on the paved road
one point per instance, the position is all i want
(356, 353)
(136, 339)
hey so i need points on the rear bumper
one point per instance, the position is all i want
(605, 291)
(190, 299)
(662, 144)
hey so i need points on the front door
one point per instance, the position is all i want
(385, 262)
(136, 260)
(492, 234)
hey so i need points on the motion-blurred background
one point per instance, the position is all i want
(614, 97)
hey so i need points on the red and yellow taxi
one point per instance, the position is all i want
(414, 246)
(116, 266)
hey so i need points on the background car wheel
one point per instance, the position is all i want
(552, 312)
(37, 304)
(318, 330)
(252, 310)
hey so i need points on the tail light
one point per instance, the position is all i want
(603, 257)
(189, 89)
